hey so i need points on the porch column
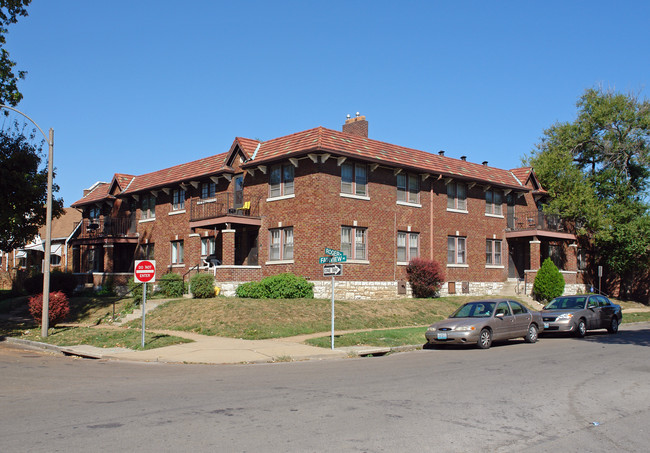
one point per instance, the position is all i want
(535, 254)
(228, 247)
(572, 258)
(108, 257)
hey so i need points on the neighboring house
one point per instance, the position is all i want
(265, 208)
(30, 258)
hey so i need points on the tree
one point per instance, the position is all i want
(549, 282)
(597, 170)
(10, 10)
(23, 189)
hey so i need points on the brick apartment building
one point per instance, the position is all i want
(265, 208)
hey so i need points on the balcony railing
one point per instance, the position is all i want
(536, 220)
(223, 204)
(108, 227)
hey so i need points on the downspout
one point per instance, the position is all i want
(431, 222)
(395, 249)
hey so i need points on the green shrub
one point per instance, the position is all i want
(202, 285)
(425, 276)
(549, 282)
(135, 289)
(57, 309)
(59, 281)
(171, 285)
(282, 286)
(252, 290)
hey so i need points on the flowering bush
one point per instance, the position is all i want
(58, 308)
(425, 276)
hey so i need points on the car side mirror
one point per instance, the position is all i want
(500, 315)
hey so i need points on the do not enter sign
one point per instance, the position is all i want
(145, 271)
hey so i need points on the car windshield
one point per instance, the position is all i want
(475, 310)
(566, 303)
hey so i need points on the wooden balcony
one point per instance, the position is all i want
(107, 227)
(224, 208)
(540, 224)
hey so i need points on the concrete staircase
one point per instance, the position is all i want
(514, 288)
(137, 312)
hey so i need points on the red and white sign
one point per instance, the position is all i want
(145, 271)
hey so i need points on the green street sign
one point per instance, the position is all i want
(332, 259)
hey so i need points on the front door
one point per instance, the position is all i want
(239, 191)
(516, 259)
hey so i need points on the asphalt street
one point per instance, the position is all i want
(559, 394)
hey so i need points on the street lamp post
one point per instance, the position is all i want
(48, 223)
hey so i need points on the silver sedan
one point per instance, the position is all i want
(577, 314)
(484, 321)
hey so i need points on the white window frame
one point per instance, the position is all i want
(455, 200)
(494, 203)
(281, 245)
(409, 244)
(208, 246)
(208, 190)
(177, 253)
(493, 253)
(408, 188)
(350, 184)
(354, 243)
(456, 251)
(178, 200)
(281, 180)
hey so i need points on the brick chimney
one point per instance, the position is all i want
(356, 126)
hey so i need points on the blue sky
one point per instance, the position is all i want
(136, 86)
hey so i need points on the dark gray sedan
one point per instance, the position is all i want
(577, 314)
(483, 321)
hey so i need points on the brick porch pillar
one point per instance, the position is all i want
(228, 247)
(535, 254)
(108, 257)
(572, 258)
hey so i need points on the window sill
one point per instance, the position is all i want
(496, 216)
(180, 211)
(356, 197)
(494, 266)
(279, 262)
(458, 265)
(146, 220)
(459, 211)
(177, 265)
(281, 197)
(357, 262)
(406, 203)
(402, 263)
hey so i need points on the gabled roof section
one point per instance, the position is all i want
(178, 174)
(98, 192)
(527, 177)
(357, 147)
(120, 182)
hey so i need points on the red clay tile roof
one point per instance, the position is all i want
(98, 192)
(342, 144)
(177, 174)
(524, 173)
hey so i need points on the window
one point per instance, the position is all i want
(148, 207)
(582, 259)
(503, 309)
(354, 179)
(407, 246)
(55, 260)
(456, 196)
(177, 252)
(93, 212)
(281, 244)
(408, 188)
(517, 308)
(208, 190)
(207, 246)
(493, 252)
(178, 199)
(281, 180)
(493, 202)
(354, 243)
(456, 250)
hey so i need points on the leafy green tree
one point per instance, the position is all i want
(10, 10)
(23, 189)
(597, 170)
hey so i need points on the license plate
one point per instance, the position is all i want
(546, 325)
(442, 336)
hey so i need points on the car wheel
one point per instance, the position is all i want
(613, 325)
(581, 331)
(531, 336)
(485, 339)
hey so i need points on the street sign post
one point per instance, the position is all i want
(330, 269)
(144, 272)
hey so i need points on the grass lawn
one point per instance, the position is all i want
(254, 319)
(388, 338)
